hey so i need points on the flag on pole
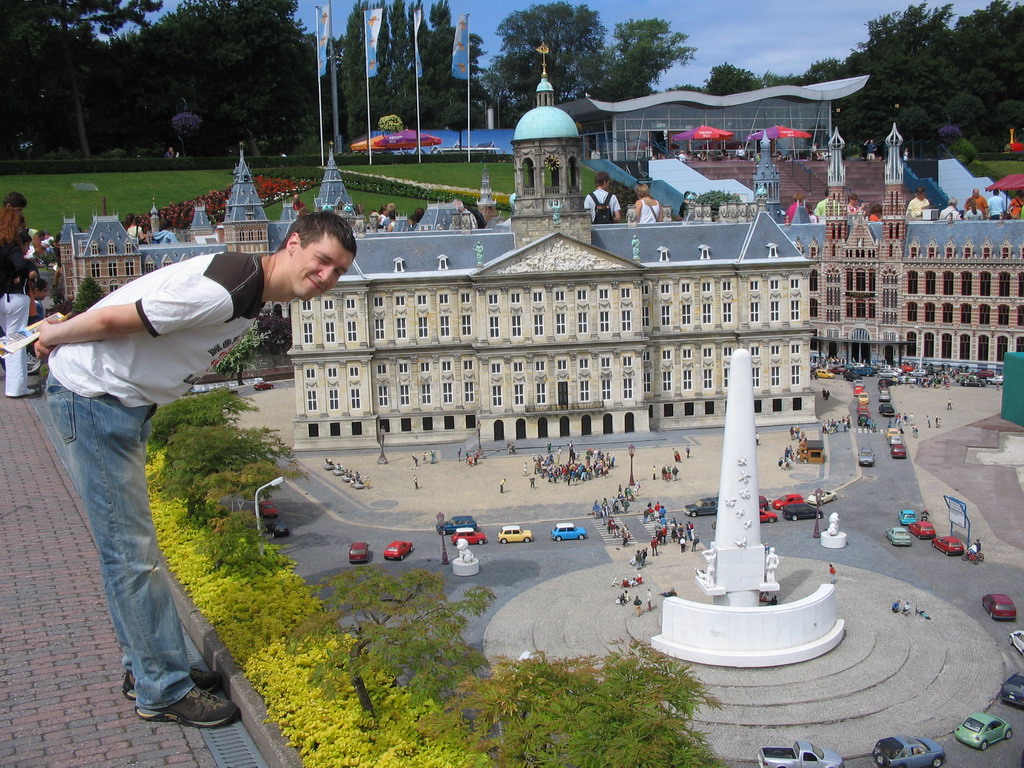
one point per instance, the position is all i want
(373, 19)
(417, 19)
(460, 51)
(323, 22)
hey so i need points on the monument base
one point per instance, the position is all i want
(833, 542)
(763, 636)
(460, 568)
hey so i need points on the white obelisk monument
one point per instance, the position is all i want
(734, 629)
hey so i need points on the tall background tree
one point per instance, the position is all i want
(647, 46)
(575, 37)
(73, 26)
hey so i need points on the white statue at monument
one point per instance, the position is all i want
(771, 562)
(466, 564)
(710, 558)
(833, 524)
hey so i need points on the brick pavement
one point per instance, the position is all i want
(60, 695)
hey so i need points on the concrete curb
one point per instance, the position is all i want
(267, 736)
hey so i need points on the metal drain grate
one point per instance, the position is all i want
(230, 745)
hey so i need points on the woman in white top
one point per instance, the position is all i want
(648, 211)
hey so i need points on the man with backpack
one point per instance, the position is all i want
(602, 204)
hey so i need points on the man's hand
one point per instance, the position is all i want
(95, 325)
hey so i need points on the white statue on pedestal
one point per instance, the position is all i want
(771, 562)
(710, 558)
(833, 524)
(465, 556)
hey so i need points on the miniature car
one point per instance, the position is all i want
(789, 498)
(358, 552)
(514, 533)
(907, 516)
(277, 529)
(886, 409)
(471, 535)
(898, 451)
(981, 729)
(568, 531)
(260, 386)
(898, 536)
(1017, 640)
(706, 506)
(922, 529)
(1012, 690)
(821, 373)
(449, 527)
(397, 550)
(268, 510)
(826, 497)
(997, 379)
(908, 752)
(951, 545)
(866, 457)
(999, 606)
(799, 511)
(985, 373)
(767, 516)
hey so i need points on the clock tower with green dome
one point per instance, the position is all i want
(547, 151)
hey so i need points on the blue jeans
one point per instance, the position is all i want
(106, 449)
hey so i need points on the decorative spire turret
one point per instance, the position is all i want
(836, 169)
(766, 177)
(333, 192)
(894, 158)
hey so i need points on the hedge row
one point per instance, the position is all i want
(256, 615)
(137, 164)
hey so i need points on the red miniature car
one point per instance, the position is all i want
(359, 552)
(898, 451)
(789, 498)
(922, 529)
(470, 535)
(999, 607)
(262, 385)
(268, 509)
(951, 545)
(768, 517)
(397, 550)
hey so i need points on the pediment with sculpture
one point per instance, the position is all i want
(559, 254)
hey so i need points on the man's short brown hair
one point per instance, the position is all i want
(315, 226)
(601, 178)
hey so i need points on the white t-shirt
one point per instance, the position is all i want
(611, 200)
(194, 310)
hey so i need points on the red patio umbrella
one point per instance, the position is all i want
(704, 133)
(779, 132)
(1008, 183)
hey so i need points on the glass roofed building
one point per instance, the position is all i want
(640, 128)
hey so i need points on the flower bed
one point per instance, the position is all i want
(269, 189)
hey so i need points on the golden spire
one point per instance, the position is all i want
(543, 50)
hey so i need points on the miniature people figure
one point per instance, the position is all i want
(710, 558)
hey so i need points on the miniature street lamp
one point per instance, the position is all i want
(817, 514)
(632, 452)
(382, 459)
(256, 505)
(440, 530)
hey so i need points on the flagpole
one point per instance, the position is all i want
(469, 77)
(416, 74)
(366, 71)
(334, 71)
(319, 88)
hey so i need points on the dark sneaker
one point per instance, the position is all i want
(202, 678)
(196, 708)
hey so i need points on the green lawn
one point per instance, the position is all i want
(52, 197)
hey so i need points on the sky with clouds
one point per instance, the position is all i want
(781, 37)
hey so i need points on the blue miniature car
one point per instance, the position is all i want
(908, 516)
(568, 531)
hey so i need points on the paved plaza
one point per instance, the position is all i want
(892, 673)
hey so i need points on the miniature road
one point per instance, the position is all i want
(891, 674)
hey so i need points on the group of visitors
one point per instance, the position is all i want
(977, 207)
(594, 464)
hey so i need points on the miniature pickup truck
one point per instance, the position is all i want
(802, 754)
